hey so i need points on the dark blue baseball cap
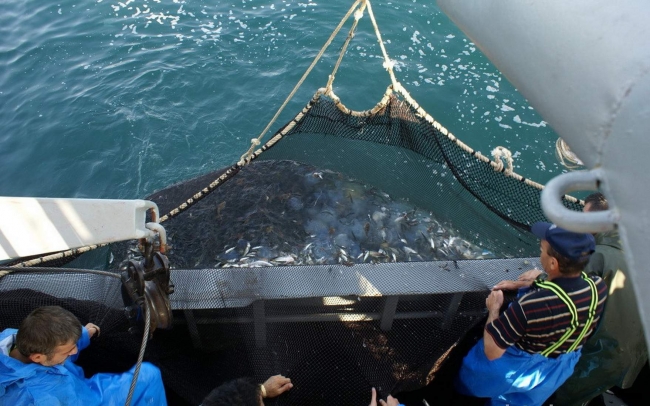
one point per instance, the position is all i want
(576, 246)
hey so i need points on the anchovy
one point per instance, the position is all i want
(409, 250)
(400, 218)
(287, 259)
(260, 263)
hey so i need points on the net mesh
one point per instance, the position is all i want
(335, 337)
(399, 148)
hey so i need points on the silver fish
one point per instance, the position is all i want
(260, 263)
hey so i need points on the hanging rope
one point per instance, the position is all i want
(249, 155)
(143, 347)
(357, 16)
(7, 270)
(59, 255)
(388, 63)
(256, 141)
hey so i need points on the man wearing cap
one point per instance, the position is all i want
(528, 351)
(616, 352)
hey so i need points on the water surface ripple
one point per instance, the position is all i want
(116, 99)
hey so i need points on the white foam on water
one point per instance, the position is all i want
(518, 120)
(414, 37)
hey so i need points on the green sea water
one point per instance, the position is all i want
(117, 99)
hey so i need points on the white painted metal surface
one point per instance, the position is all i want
(585, 67)
(593, 222)
(32, 226)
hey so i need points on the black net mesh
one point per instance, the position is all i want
(356, 252)
(397, 150)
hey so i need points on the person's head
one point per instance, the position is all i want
(563, 252)
(595, 202)
(48, 336)
(238, 392)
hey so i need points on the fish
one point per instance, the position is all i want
(409, 250)
(287, 259)
(259, 263)
(338, 220)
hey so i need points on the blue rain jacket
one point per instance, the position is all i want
(517, 378)
(34, 384)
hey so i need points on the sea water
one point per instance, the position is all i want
(117, 99)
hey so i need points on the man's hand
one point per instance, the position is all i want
(494, 303)
(512, 285)
(390, 401)
(529, 275)
(523, 281)
(277, 385)
(92, 329)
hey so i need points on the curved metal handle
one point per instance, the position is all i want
(156, 227)
(594, 222)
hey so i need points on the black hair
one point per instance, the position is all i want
(597, 201)
(45, 329)
(238, 392)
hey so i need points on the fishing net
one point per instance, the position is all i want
(352, 250)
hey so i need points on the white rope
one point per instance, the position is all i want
(357, 16)
(501, 154)
(58, 255)
(244, 158)
(388, 63)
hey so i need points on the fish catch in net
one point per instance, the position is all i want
(353, 249)
(285, 212)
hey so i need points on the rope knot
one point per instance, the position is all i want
(501, 154)
(389, 64)
(358, 14)
(255, 141)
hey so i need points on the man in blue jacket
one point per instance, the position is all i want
(37, 366)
